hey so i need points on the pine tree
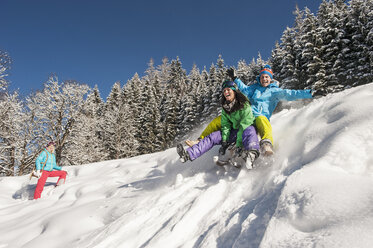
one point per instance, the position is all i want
(289, 62)
(148, 118)
(157, 115)
(111, 125)
(243, 71)
(196, 91)
(177, 82)
(152, 114)
(29, 137)
(369, 37)
(214, 91)
(277, 56)
(85, 142)
(128, 131)
(5, 62)
(205, 96)
(119, 128)
(132, 97)
(10, 134)
(163, 77)
(360, 17)
(171, 121)
(57, 108)
(328, 47)
(178, 91)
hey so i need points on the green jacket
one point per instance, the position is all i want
(240, 119)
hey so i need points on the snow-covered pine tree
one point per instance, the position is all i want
(28, 139)
(111, 125)
(196, 91)
(243, 71)
(164, 73)
(219, 77)
(178, 91)
(131, 96)
(256, 67)
(130, 144)
(221, 70)
(163, 77)
(214, 92)
(369, 38)
(253, 71)
(5, 62)
(155, 95)
(357, 27)
(158, 125)
(307, 38)
(190, 105)
(316, 66)
(204, 97)
(132, 108)
(85, 143)
(171, 121)
(330, 29)
(276, 59)
(186, 116)
(10, 133)
(287, 59)
(57, 108)
(177, 82)
(148, 117)
(287, 56)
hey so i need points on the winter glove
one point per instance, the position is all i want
(231, 73)
(38, 173)
(223, 148)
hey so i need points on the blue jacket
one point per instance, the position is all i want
(50, 162)
(265, 99)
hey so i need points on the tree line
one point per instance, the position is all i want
(332, 50)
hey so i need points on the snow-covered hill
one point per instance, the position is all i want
(317, 193)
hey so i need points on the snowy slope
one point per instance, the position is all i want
(317, 193)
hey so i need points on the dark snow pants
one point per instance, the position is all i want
(249, 140)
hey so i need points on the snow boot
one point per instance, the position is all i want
(244, 158)
(225, 159)
(266, 147)
(249, 158)
(237, 159)
(184, 155)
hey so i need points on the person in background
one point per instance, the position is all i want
(237, 127)
(46, 167)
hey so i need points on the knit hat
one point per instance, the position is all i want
(228, 84)
(266, 70)
(50, 143)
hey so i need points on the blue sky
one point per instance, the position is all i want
(101, 42)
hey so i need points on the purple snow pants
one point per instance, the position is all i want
(249, 140)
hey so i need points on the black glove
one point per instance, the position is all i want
(223, 148)
(231, 73)
(319, 92)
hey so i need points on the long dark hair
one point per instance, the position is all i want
(241, 99)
